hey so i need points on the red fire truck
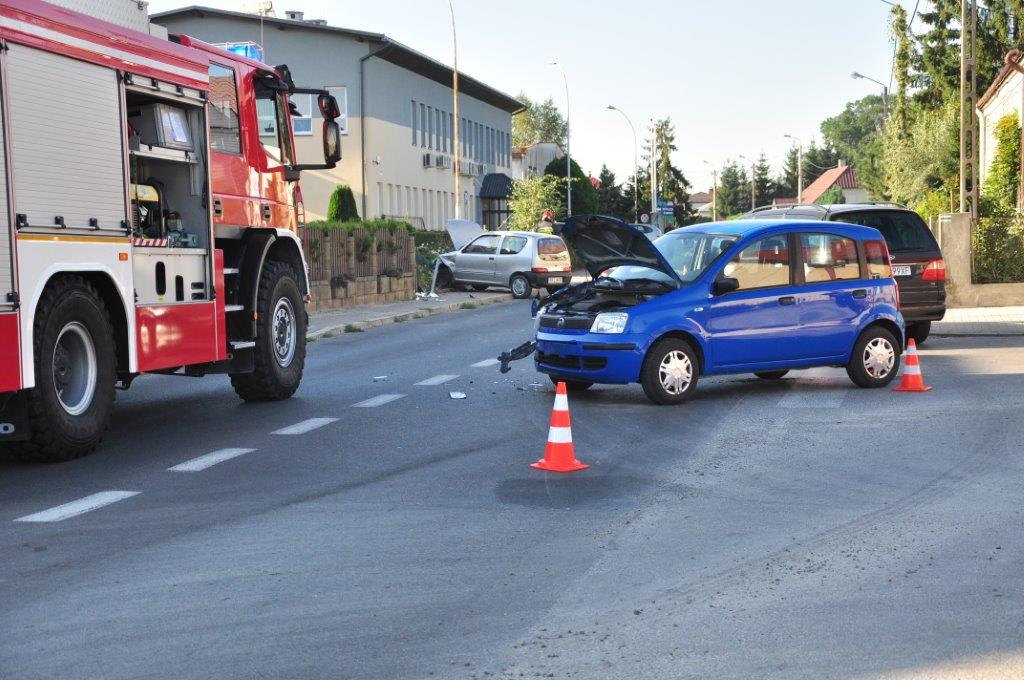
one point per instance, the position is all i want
(149, 202)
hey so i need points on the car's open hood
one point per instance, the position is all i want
(463, 231)
(603, 242)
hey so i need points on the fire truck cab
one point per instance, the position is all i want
(145, 224)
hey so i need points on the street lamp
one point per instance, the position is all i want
(799, 168)
(455, 116)
(753, 198)
(714, 191)
(636, 173)
(568, 152)
(885, 93)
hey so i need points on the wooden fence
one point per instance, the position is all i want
(335, 254)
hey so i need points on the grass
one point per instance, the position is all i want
(352, 328)
(418, 315)
(467, 305)
(326, 335)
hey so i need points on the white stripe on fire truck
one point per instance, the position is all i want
(64, 38)
(79, 507)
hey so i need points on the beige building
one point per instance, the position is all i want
(1004, 96)
(398, 145)
(530, 161)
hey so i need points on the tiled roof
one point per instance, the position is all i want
(843, 176)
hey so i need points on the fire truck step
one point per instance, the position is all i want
(228, 271)
(234, 308)
(241, 344)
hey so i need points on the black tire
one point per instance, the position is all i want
(277, 371)
(771, 375)
(919, 331)
(479, 288)
(445, 279)
(571, 385)
(71, 312)
(858, 368)
(650, 374)
(520, 287)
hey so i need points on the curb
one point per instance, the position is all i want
(442, 308)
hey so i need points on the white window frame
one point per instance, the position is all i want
(340, 93)
(296, 98)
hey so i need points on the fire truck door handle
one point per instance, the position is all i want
(265, 208)
(218, 207)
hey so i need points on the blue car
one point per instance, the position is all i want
(761, 297)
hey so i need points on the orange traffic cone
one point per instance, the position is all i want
(559, 455)
(912, 381)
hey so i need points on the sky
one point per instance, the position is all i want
(733, 75)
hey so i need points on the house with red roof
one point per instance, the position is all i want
(841, 176)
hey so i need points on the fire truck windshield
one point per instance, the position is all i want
(274, 120)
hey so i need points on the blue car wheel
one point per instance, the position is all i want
(670, 371)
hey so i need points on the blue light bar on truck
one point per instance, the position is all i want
(249, 49)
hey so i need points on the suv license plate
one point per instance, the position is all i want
(901, 270)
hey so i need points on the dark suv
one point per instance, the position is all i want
(917, 262)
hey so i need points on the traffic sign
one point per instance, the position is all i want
(645, 218)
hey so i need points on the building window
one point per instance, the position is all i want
(423, 125)
(451, 133)
(412, 122)
(437, 127)
(302, 124)
(340, 93)
(224, 130)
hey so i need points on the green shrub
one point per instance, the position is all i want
(342, 207)
(998, 249)
(1004, 173)
(352, 328)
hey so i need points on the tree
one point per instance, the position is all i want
(785, 183)
(584, 195)
(901, 69)
(764, 187)
(927, 158)
(818, 159)
(938, 60)
(538, 122)
(342, 206)
(672, 184)
(610, 200)
(1004, 174)
(733, 195)
(856, 135)
(832, 196)
(530, 198)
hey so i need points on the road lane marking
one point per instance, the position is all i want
(305, 426)
(209, 460)
(79, 507)
(379, 400)
(437, 380)
(484, 364)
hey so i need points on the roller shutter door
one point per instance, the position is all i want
(66, 144)
(6, 234)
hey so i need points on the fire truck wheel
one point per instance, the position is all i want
(280, 352)
(75, 368)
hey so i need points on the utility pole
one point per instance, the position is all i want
(455, 116)
(753, 196)
(714, 191)
(968, 110)
(654, 172)
(799, 168)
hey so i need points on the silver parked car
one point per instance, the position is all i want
(518, 260)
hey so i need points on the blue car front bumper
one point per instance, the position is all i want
(591, 357)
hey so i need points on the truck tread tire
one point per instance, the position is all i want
(270, 380)
(55, 434)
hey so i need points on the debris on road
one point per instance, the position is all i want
(380, 378)
(457, 395)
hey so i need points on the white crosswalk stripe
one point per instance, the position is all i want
(485, 363)
(79, 507)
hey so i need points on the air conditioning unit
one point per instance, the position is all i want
(443, 161)
(427, 160)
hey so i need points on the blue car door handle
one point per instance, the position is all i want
(860, 293)
(787, 300)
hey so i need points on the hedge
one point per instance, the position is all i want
(355, 225)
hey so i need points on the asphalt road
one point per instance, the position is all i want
(799, 529)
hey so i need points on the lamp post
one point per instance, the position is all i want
(654, 172)
(885, 93)
(799, 168)
(753, 197)
(568, 152)
(714, 191)
(455, 116)
(636, 170)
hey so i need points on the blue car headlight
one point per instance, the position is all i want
(610, 322)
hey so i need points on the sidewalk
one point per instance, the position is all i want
(981, 321)
(368, 316)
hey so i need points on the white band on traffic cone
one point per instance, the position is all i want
(561, 402)
(559, 435)
(911, 369)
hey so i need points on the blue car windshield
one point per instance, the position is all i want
(689, 253)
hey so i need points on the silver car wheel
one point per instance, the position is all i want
(879, 358)
(519, 286)
(675, 372)
(75, 369)
(283, 327)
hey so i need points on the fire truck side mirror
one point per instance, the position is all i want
(329, 108)
(332, 143)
